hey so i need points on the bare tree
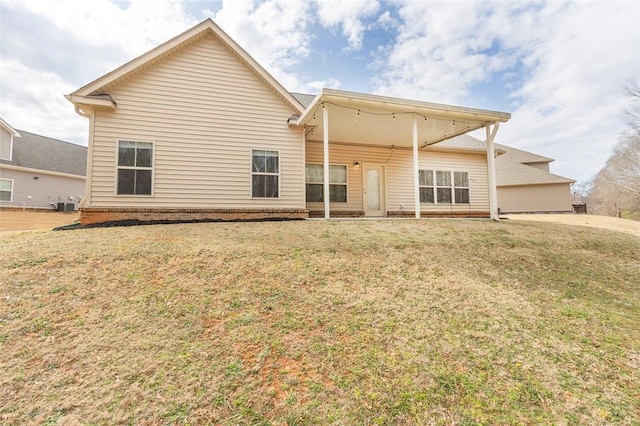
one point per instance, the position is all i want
(605, 196)
(625, 164)
(616, 188)
(632, 113)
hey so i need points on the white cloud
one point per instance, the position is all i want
(272, 32)
(349, 16)
(140, 26)
(440, 52)
(316, 86)
(40, 108)
(561, 65)
(569, 107)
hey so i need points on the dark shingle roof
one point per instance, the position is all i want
(303, 98)
(43, 153)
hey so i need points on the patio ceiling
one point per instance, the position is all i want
(378, 120)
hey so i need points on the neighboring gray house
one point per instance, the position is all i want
(523, 180)
(37, 172)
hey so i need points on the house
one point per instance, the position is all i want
(524, 183)
(197, 129)
(38, 172)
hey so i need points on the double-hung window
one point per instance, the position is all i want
(6, 189)
(265, 174)
(315, 183)
(426, 186)
(444, 187)
(135, 168)
(461, 187)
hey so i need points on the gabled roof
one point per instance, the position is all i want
(42, 153)
(516, 174)
(511, 166)
(525, 157)
(93, 94)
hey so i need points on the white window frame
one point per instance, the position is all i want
(278, 174)
(118, 167)
(10, 192)
(345, 184)
(453, 182)
(433, 187)
(452, 188)
(449, 187)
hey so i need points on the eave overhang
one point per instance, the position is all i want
(381, 120)
(97, 102)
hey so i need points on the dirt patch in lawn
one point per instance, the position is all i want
(18, 220)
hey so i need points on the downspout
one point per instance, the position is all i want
(86, 201)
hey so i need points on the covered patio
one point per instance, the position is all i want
(377, 121)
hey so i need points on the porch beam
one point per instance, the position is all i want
(491, 166)
(416, 174)
(325, 131)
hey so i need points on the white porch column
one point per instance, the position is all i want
(325, 131)
(491, 166)
(416, 174)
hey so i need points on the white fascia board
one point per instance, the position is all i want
(8, 128)
(89, 101)
(420, 107)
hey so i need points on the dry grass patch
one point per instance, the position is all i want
(403, 322)
(16, 220)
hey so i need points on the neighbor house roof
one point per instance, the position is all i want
(511, 164)
(95, 94)
(42, 153)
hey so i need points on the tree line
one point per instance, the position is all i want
(615, 189)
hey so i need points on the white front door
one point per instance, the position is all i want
(373, 190)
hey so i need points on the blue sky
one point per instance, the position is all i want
(557, 66)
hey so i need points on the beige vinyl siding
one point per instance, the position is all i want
(6, 144)
(205, 111)
(47, 189)
(535, 198)
(399, 175)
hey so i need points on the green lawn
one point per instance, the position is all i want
(355, 322)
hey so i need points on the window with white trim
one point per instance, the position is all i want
(461, 187)
(443, 187)
(135, 168)
(426, 186)
(265, 174)
(314, 174)
(6, 189)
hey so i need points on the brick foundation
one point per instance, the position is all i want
(95, 215)
(412, 214)
(320, 213)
